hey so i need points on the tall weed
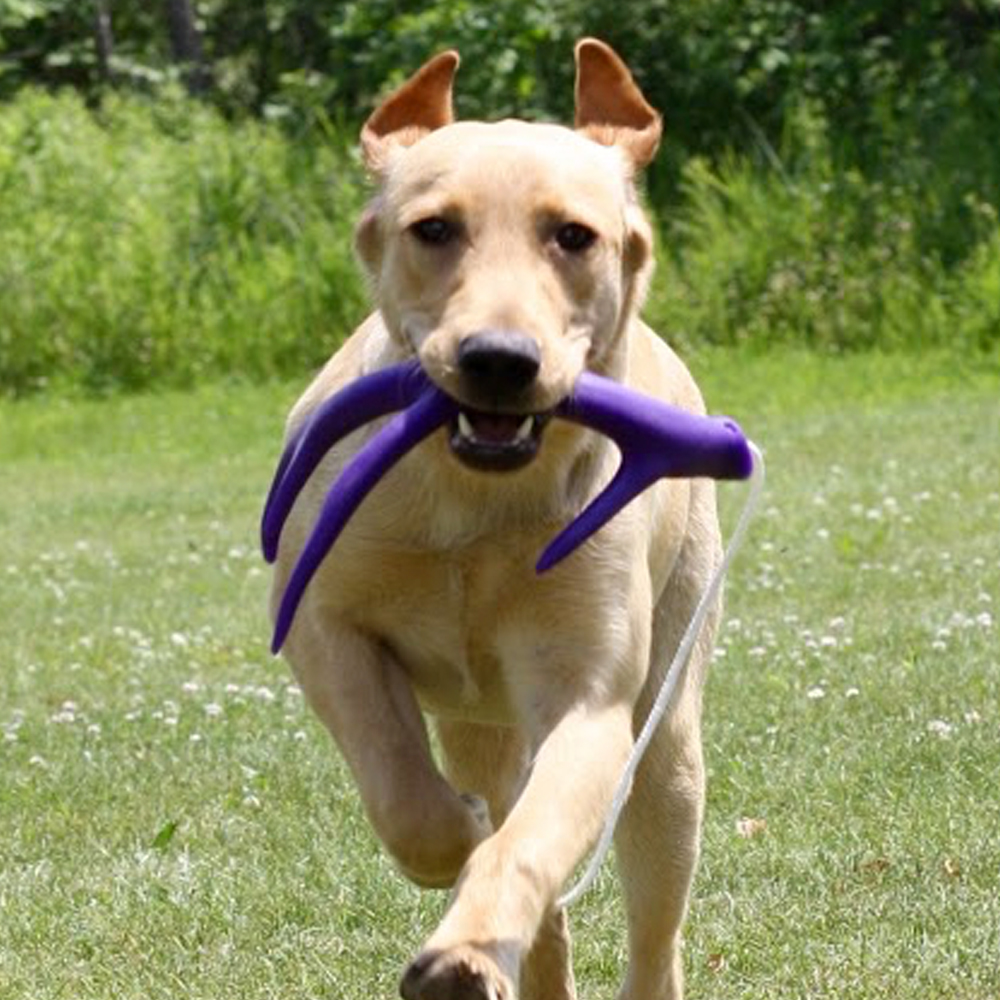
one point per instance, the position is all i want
(160, 243)
(819, 258)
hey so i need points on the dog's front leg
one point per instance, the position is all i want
(364, 697)
(513, 878)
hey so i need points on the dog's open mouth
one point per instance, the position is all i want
(496, 442)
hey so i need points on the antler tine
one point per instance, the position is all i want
(628, 482)
(657, 440)
(355, 405)
(407, 429)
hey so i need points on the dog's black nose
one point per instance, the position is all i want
(499, 363)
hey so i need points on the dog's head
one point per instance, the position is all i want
(509, 257)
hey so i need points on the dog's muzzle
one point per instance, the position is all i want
(656, 440)
(499, 364)
(498, 369)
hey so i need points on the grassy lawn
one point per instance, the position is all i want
(173, 822)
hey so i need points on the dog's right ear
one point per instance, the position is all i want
(420, 106)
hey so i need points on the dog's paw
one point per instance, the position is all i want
(463, 973)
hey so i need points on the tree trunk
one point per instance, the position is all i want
(185, 40)
(104, 40)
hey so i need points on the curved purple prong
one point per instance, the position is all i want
(357, 404)
(656, 439)
(421, 418)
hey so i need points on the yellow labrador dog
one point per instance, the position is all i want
(508, 258)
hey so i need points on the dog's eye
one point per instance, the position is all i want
(574, 237)
(434, 231)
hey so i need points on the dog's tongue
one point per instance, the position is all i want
(495, 428)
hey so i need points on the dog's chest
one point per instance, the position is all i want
(442, 616)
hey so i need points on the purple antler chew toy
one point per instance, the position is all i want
(656, 440)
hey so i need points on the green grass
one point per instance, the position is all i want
(173, 822)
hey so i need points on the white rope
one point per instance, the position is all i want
(669, 684)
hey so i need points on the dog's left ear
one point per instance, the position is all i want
(610, 108)
(420, 106)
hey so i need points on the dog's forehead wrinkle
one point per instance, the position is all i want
(476, 156)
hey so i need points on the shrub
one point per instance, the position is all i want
(156, 243)
(160, 244)
(819, 258)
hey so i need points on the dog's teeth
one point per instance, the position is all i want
(524, 431)
(465, 426)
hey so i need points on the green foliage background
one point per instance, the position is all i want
(830, 175)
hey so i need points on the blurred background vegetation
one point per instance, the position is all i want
(178, 180)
